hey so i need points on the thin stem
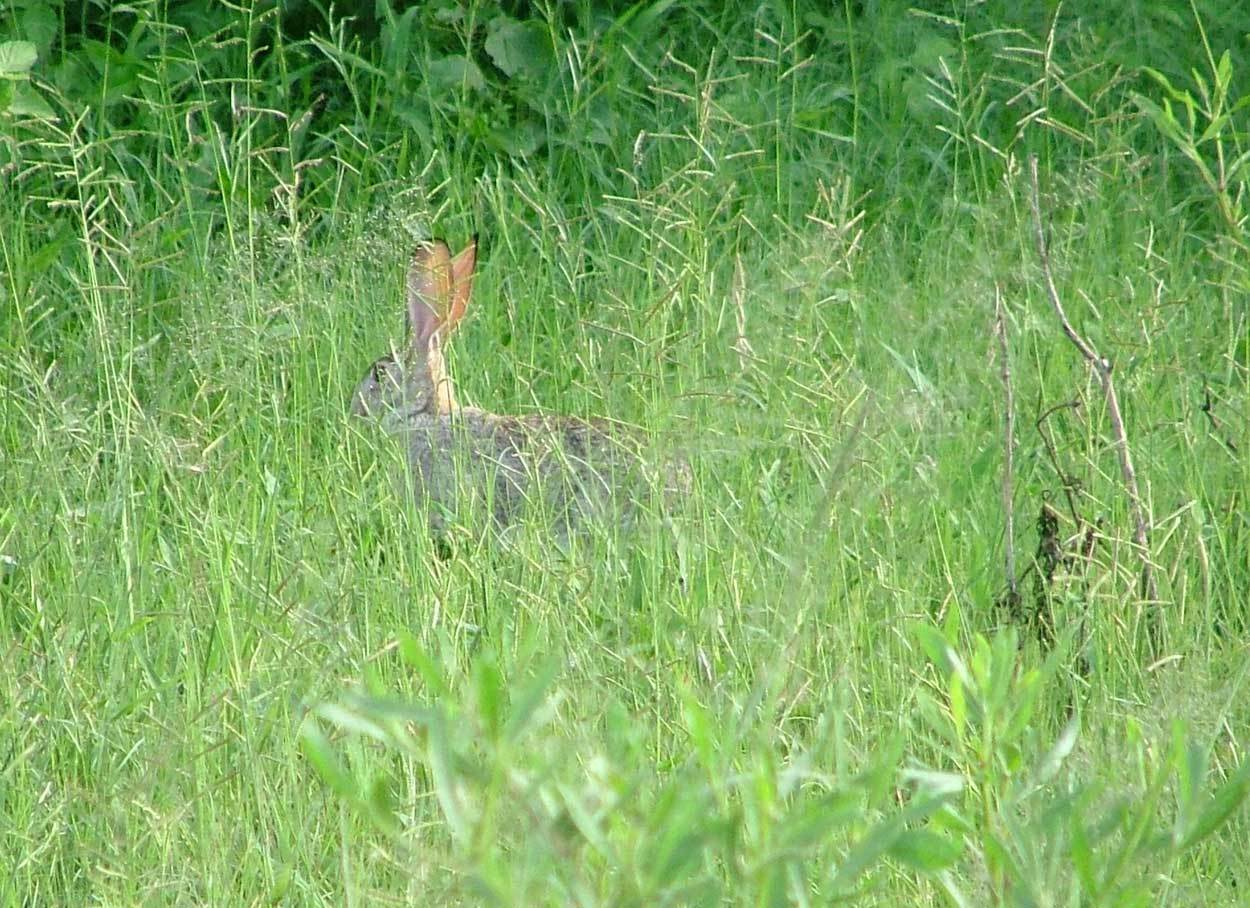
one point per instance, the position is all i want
(1103, 367)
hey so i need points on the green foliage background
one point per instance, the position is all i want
(772, 235)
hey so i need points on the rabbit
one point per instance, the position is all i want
(467, 463)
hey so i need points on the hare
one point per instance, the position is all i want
(469, 464)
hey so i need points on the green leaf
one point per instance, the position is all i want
(698, 722)
(1227, 800)
(866, 853)
(678, 831)
(810, 824)
(959, 706)
(40, 24)
(1223, 77)
(455, 71)
(925, 850)
(939, 722)
(344, 57)
(880, 840)
(935, 647)
(933, 783)
(517, 48)
(381, 805)
(1080, 851)
(350, 720)
(1162, 117)
(981, 666)
(1215, 129)
(1191, 774)
(931, 50)
(1235, 166)
(1112, 820)
(16, 59)
(1178, 95)
(912, 368)
(447, 786)
(639, 19)
(489, 684)
(525, 705)
(1059, 751)
(998, 853)
(523, 138)
(414, 654)
(586, 822)
(1003, 651)
(1023, 701)
(316, 747)
(878, 778)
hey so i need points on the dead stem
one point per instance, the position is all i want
(1009, 443)
(1103, 368)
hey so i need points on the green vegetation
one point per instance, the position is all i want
(235, 671)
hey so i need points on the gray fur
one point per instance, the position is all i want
(468, 464)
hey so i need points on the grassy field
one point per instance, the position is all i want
(234, 669)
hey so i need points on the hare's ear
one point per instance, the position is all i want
(429, 291)
(462, 267)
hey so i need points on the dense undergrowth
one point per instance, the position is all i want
(235, 670)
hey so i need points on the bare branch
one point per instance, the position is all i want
(1066, 481)
(738, 292)
(1009, 443)
(1209, 409)
(1141, 532)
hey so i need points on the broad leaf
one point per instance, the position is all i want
(16, 59)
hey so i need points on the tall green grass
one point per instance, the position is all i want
(235, 670)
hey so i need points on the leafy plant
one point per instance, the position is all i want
(1040, 833)
(18, 98)
(1210, 137)
(532, 822)
(745, 229)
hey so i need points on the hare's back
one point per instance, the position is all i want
(567, 470)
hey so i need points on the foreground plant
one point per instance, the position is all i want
(1039, 833)
(534, 820)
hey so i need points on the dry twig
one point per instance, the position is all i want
(1067, 481)
(1209, 409)
(1009, 443)
(738, 292)
(1141, 533)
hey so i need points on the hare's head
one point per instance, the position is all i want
(414, 381)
